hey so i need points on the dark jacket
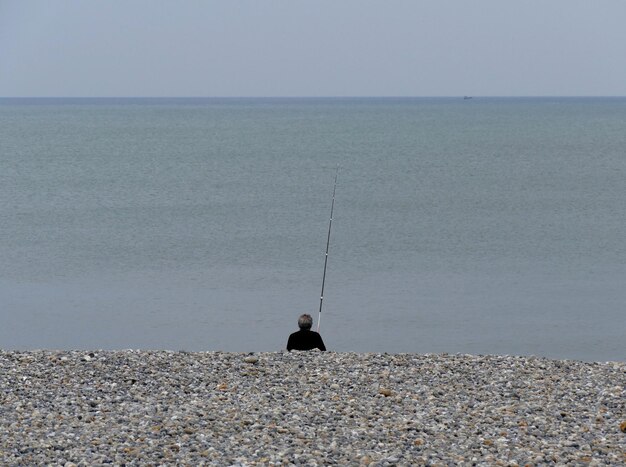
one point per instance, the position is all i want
(305, 340)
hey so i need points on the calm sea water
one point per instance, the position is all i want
(474, 226)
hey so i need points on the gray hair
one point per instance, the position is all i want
(305, 322)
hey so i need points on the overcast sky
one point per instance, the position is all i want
(312, 48)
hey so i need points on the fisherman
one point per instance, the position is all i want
(305, 339)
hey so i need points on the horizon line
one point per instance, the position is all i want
(325, 97)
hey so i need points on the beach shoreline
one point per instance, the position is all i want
(138, 407)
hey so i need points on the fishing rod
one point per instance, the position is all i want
(330, 224)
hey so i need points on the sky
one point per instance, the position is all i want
(267, 48)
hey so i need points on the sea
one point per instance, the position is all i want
(473, 226)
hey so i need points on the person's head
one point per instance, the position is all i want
(305, 322)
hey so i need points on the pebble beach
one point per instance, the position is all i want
(79, 408)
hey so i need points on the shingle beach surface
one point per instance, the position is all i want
(307, 408)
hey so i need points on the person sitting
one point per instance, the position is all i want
(305, 339)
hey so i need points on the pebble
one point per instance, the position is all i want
(307, 408)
